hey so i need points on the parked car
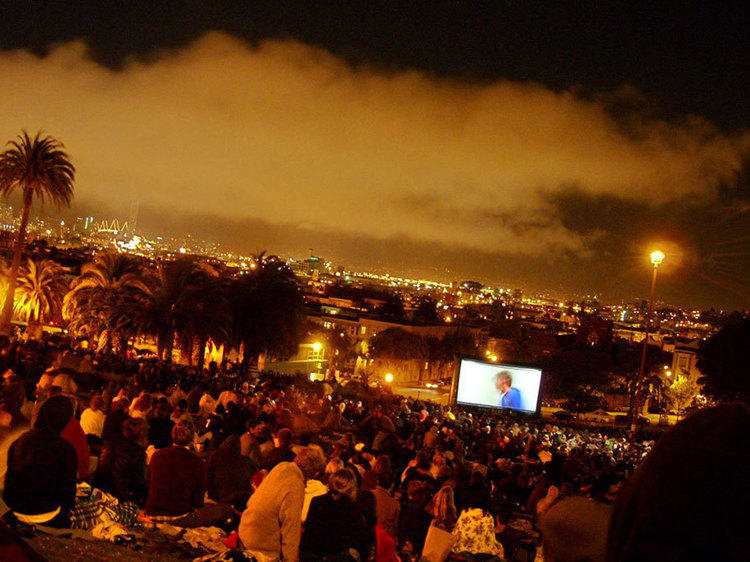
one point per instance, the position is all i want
(599, 416)
(563, 415)
(622, 419)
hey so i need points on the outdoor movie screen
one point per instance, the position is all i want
(493, 385)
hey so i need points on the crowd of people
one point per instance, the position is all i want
(320, 471)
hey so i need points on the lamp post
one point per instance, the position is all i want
(656, 258)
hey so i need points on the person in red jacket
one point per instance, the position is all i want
(73, 434)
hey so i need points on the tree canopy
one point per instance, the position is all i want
(724, 360)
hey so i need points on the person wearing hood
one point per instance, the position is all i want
(40, 484)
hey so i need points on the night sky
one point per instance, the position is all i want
(547, 147)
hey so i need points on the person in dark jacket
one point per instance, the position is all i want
(283, 452)
(40, 484)
(177, 484)
(335, 523)
(118, 413)
(160, 426)
(177, 477)
(685, 501)
(122, 468)
(229, 474)
(414, 520)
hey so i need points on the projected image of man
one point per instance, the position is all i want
(509, 397)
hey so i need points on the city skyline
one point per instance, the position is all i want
(162, 244)
(489, 164)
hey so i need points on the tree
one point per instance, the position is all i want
(39, 297)
(653, 386)
(339, 347)
(180, 297)
(393, 309)
(40, 169)
(209, 318)
(268, 311)
(426, 312)
(103, 296)
(724, 360)
(681, 392)
(396, 344)
(578, 370)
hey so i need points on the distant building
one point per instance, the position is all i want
(685, 361)
(595, 331)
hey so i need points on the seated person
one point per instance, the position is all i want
(283, 452)
(92, 418)
(122, 467)
(575, 528)
(335, 524)
(229, 474)
(685, 501)
(118, 413)
(160, 426)
(413, 519)
(177, 484)
(40, 484)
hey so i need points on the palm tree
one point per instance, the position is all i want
(39, 168)
(98, 298)
(268, 310)
(208, 318)
(41, 288)
(181, 303)
(654, 387)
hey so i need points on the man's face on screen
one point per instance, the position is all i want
(502, 384)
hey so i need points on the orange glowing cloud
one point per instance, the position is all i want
(292, 135)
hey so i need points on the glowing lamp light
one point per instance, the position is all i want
(389, 377)
(657, 257)
(317, 346)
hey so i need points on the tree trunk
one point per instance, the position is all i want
(199, 351)
(121, 345)
(7, 314)
(34, 329)
(186, 350)
(103, 343)
(168, 346)
(261, 361)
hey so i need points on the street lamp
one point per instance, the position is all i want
(389, 378)
(657, 257)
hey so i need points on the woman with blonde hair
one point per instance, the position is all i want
(335, 524)
(439, 540)
(444, 509)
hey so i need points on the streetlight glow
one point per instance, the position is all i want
(657, 257)
(389, 377)
(317, 346)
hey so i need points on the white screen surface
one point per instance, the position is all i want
(477, 386)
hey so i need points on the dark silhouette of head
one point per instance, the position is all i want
(54, 414)
(685, 501)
